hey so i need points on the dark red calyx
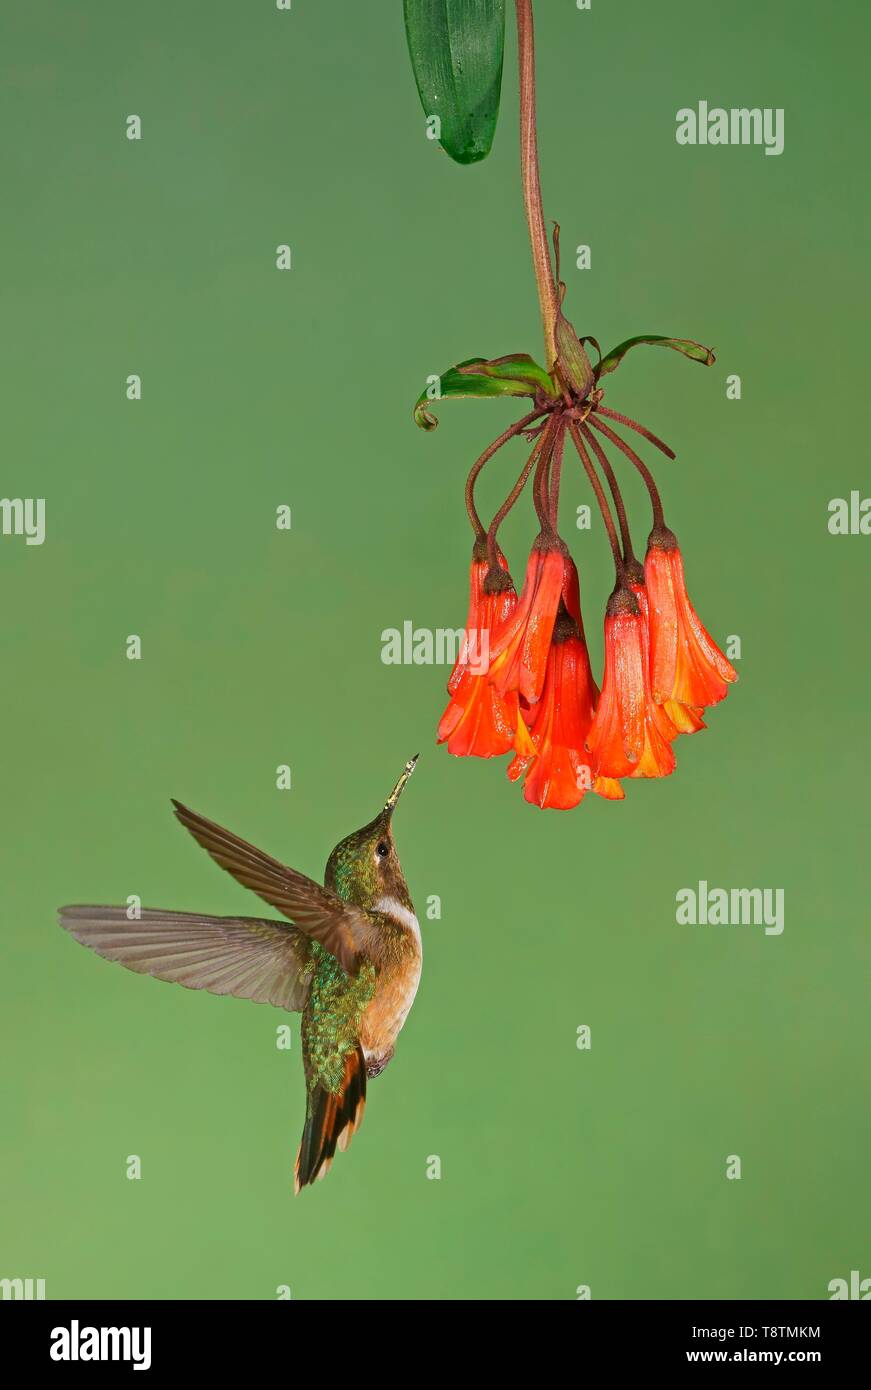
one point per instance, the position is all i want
(622, 602)
(661, 538)
(497, 580)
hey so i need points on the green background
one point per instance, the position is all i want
(560, 1167)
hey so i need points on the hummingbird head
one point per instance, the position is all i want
(364, 867)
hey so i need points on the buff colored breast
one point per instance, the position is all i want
(396, 985)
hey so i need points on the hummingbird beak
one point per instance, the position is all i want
(394, 796)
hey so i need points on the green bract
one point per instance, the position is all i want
(690, 349)
(520, 375)
(517, 375)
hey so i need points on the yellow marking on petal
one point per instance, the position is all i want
(523, 743)
(609, 787)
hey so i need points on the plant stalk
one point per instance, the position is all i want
(548, 296)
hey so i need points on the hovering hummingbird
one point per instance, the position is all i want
(350, 962)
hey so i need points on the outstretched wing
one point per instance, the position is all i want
(319, 912)
(249, 957)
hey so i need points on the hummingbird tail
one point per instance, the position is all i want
(331, 1118)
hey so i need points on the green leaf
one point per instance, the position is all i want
(517, 375)
(690, 349)
(456, 52)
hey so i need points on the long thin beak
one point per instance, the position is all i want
(400, 785)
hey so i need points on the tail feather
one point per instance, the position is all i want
(332, 1117)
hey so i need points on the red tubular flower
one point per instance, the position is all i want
(485, 726)
(558, 770)
(664, 722)
(616, 737)
(670, 719)
(486, 611)
(519, 646)
(628, 737)
(479, 722)
(686, 665)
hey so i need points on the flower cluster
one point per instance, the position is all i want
(523, 684)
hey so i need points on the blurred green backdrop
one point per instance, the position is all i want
(560, 1167)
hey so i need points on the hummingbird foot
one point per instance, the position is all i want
(375, 1064)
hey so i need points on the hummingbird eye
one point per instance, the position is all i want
(382, 849)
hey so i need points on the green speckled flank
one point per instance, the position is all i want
(332, 1018)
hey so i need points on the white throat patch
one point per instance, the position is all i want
(392, 907)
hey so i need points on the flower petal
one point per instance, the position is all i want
(686, 665)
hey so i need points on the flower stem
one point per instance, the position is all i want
(619, 504)
(634, 425)
(540, 489)
(555, 476)
(548, 296)
(600, 498)
(551, 444)
(655, 499)
(517, 428)
(540, 445)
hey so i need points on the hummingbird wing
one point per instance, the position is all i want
(340, 926)
(251, 958)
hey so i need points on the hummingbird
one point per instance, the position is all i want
(348, 958)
